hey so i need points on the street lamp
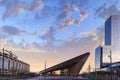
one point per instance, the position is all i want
(110, 56)
(3, 62)
(45, 70)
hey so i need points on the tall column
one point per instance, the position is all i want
(3, 62)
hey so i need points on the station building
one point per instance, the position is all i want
(71, 67)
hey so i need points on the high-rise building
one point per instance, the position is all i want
(112, 43)
(112, 31)
(112, 36)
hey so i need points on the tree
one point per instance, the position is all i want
(89, 70)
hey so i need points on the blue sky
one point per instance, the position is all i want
(53, 30)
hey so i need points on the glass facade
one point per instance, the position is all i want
(112, 43)
(98, 56)
(11, 64)
(0, 62)
(106, 53)
(108, 32)
(5, 63)
(112, 38)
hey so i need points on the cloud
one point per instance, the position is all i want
(23, 47)
(100, 35)
(44, 32)
(105, 12)
(90, 32)
(12, 30)
(35, 33)
(49, 36)
(99, 9)
(97, 35)
(35, 5)
(83, 15)
(2, 43)
(66, 23)
(65, 18)
(67, 10)
(3, 2)
(71, 21)
(46, 12)
(27, 50)
(75, 8)
(78, 3)
(15, 7)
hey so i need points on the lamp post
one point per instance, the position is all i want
(45, 70)
(110, 56)
(3, 62)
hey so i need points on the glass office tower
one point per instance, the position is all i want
(112, 31)
(112, 43)
(112, 37)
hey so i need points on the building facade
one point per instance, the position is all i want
(10, 64)
(109, 53)
(71, 67)
(98, 57)
(112, 36)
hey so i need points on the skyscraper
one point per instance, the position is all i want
(112, 31)
(112, 36)
(112, 42)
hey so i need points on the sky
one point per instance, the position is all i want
(54, 30)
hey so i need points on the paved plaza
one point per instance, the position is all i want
(51, 78)
(57, 78)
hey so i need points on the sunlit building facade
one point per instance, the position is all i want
(101, 56)
(98, 57)
(9, 63)
(112, 36)
(112, 44)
